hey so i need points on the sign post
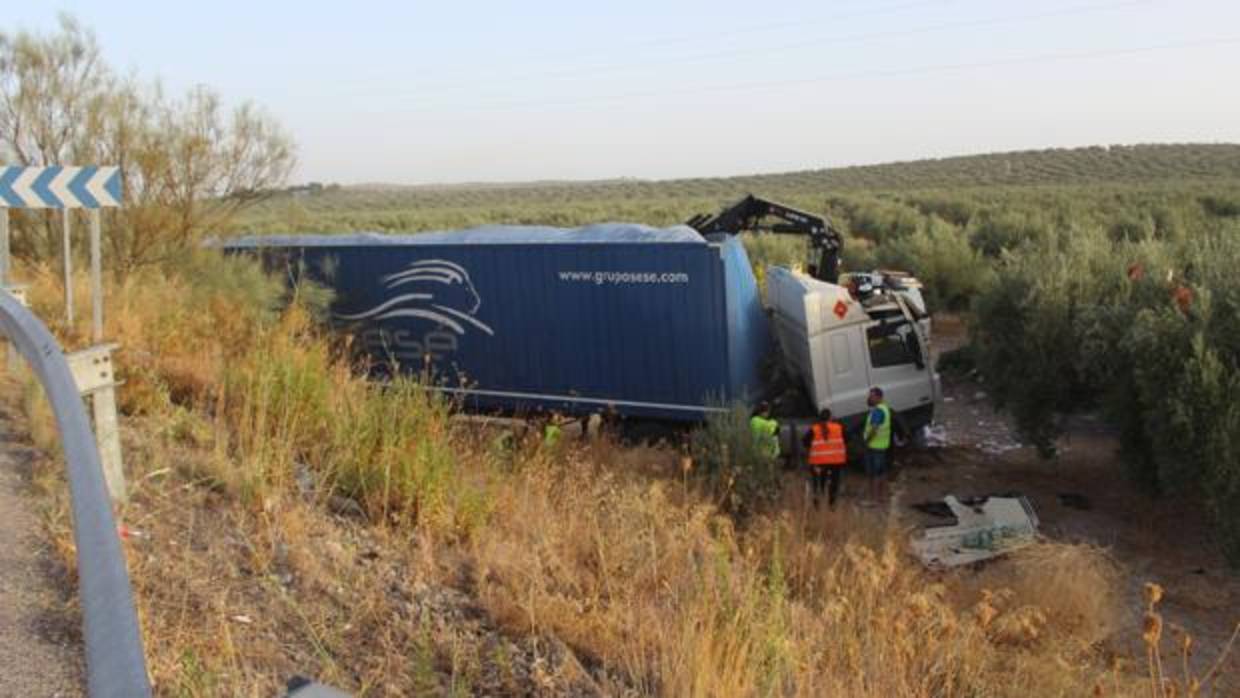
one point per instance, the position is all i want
(96, 277)
(66, 188)
(67, 251)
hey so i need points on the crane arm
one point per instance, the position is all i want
(750, 214)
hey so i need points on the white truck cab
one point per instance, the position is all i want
(840, 345)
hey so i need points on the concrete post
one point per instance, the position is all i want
(108, 440)
(96, 381)
(16, 362)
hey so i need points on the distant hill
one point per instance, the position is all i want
(394, 207)
(1095, 164)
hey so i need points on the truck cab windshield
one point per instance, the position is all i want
(893, 344)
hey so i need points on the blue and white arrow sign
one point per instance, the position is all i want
(57, 186)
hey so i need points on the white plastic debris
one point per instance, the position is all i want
(997, 526)
(935, 435)
(998, 447)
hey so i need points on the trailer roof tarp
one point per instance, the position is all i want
(603, 233)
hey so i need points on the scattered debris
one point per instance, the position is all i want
(243, 619)
(934, 435)
(998, 447)
(983, 530)
(940, 509)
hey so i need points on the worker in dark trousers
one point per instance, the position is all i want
(877, 444)
(828, 454)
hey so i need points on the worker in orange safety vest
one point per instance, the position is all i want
(828, 454)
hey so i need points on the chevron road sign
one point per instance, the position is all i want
(65, 188)
(57, 186)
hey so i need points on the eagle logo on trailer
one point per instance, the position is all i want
(430, 289)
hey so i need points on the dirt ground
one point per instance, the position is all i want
(1083, 496)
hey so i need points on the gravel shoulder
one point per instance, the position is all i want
(40, 650)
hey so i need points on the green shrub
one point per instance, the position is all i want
(733, 464)
(992, 233)
(1220, 205)
(881, 221)
(1132, 228)
(385, 446)
(940, 256)
(952, 208)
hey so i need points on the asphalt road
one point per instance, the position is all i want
(40, 651)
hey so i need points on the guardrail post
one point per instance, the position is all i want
(15, 358)
(95, 378)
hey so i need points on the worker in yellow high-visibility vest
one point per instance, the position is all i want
(877, 444)
(553, 431)
(765, 431)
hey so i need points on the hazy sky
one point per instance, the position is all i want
(450, 91)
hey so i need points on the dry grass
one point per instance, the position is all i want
(469, 566)
(666, 590)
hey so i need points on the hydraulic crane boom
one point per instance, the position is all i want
(749, 213)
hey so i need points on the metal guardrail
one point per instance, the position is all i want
(115, 661)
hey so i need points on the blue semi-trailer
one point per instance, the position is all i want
(643, 322)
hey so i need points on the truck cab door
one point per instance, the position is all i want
(848, 376)
(896, 358)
